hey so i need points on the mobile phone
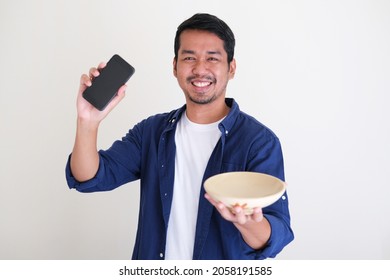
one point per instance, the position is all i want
(105, 86)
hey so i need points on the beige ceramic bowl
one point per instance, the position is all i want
(247, 189)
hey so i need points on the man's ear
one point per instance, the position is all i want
(232, 68)
(175, 67)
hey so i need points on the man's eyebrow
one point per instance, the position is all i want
(187, 52)
(208, 52)
(214, 52)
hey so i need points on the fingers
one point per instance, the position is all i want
(234, 215)
(101, 65)
(241, 217)
(224, 211)
(94, 72)
(257, 215)
(86, 80)
(237, 213)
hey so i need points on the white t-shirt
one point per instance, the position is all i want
(194, 145)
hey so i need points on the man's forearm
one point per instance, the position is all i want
(84, 161)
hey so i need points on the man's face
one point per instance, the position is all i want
(201, 68)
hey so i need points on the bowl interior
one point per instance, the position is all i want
(250, 188)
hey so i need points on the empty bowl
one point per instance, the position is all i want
(245, 189)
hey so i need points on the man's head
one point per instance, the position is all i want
(211, 24)
(204, 59)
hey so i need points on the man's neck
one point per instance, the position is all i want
(207, 113)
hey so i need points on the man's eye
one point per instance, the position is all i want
(213, 59)
(189, 58)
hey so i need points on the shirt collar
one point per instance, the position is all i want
(225, 125)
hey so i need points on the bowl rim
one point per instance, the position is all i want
(278, 193)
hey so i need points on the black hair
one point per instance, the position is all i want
(211, 24)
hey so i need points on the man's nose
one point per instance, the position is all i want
(200, 67)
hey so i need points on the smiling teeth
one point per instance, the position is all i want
(201, 84)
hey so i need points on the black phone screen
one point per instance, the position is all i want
(105, 86)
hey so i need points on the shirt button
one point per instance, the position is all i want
(161, 255)
(283, 197)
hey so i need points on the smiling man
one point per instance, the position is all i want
(174, 153)
(202, 67)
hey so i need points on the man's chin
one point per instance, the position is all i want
(202, 101)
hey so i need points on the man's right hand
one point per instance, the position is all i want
(86, 112)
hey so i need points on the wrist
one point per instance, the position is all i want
(85, 124)
(255, 234)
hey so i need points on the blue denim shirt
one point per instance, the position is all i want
(147, 152)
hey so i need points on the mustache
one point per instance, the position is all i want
(205, 77)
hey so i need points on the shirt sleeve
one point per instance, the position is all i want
(118, 165)
(269, 159)
(92, 185)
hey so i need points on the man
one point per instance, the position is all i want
(174, 153)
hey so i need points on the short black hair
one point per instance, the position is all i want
(210, 23)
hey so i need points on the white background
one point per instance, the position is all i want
(316, 72)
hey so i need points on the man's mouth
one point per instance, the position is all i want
(201, 84)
